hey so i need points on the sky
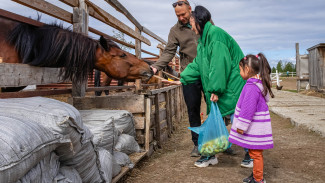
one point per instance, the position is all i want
(269, 26)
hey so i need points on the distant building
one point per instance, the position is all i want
(316, 66)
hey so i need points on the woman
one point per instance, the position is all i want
(216, 64)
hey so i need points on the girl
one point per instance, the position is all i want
(251, 127)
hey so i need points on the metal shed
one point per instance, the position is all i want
(316, 63)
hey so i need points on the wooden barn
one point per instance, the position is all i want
(316, 63)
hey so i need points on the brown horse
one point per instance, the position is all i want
(106, 80)
(54, 46)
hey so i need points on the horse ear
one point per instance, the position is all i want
(103, 43)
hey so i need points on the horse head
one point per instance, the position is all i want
(120, 64)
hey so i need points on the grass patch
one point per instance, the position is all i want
(293, 91)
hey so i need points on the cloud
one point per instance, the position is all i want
(272, 27)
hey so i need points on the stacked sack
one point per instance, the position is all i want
(114, 131)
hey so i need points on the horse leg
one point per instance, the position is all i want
(97, 82)
(106, 82)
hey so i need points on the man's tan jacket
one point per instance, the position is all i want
(183, 37)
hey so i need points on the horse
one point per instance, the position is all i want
(55, 46)
(106, 80)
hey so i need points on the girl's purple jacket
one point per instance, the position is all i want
(253, 117)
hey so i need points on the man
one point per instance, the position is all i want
(182, 36)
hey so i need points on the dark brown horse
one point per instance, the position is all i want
(106, 80)
(54, 46)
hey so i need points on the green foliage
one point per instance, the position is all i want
(273, 70)
(279, 66)
(121, 36)
(289, 67)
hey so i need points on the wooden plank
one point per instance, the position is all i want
(47, 8)
(135, 158)
(120, 8)
(137, 44)
(90, 89)
(19, 18)
(157, 121)
(107, 18)
(13, 75)
(163, 125)
(168, 113)
(138, 86)
(142, 138)
(152, 119)
(73, 3)
(139, 123)
(153, 35)
(164, 136)
(24, 94)
(162, 97)
(160, 90)
(162, 114)
(148, 124)
(131, 103)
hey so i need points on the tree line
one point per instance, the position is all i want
(284, 67)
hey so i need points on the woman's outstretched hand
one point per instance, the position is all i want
(214, 98)
(172, 82)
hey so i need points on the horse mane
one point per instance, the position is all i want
(55, 46)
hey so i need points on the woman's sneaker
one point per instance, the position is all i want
(205, 161)
(248, 179)
(247, 162)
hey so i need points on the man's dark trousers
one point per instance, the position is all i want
(192, 95)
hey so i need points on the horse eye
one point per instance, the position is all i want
(123, 55)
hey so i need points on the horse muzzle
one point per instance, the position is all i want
(147, 75)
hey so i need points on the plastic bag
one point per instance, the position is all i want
(213, 134)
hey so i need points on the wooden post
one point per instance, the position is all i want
(157, 122)
(80, 24)
(169, 113)
(147, 127)
(160, 84)
(297, 61)
(138, 86)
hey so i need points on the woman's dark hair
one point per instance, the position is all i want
(259, 65)
(201, 16)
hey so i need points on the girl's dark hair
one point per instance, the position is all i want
(201, 16)
(259, 65)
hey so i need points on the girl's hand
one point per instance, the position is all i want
(172, 82)
(240, 131)
(214, 98)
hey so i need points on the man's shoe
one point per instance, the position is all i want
(230, 152)
(248, 179)
(195, 152)
(247, 162)
(205, 161)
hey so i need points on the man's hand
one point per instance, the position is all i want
(214, 98)
(154, 70)
(240, 131)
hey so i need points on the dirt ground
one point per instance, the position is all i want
(297, 157)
